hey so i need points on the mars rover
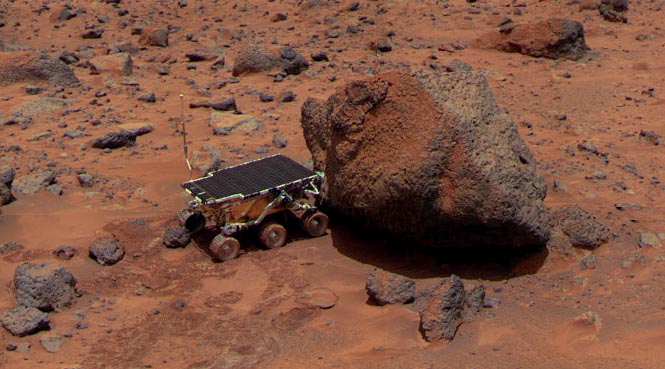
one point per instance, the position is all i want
(254, 196)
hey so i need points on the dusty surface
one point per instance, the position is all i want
(165, 308)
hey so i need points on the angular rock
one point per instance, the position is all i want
(154, 37)
(119, 64)
(85, 180)
(106, 251)
(22, 321)
(208, 159)
(175, 237)
(430, 158)
(387, 288)
(581, 227)
(68, 57)
(555, 38)
(5, 194)
(7, 174)
(252, 59)
(649, 239)
(442, 312)
(26, 67)
(149, 97)
(114, 140)
(384, 46)
(32, 183)
(44, 286)
(51, 342)
(64, 252)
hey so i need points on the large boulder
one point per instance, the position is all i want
(428, 157)
(32, 68)
(554, 38)
(22, 321)
(44, 286)
(253, 58)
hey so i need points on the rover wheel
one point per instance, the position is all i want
(315, 224)
(193, 221)
(272, 235)
(224, 248)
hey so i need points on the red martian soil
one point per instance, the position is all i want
(176, 308)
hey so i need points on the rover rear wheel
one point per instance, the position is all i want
(272, 235)
(224, 248)
(315, 224)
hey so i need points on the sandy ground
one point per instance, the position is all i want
(252, 312)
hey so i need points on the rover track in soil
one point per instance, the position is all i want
(254, 196)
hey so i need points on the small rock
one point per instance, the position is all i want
(648, 239)
(68, 57)
(51, 342)
(279, 141)
(93, 34)
(107, 251)
(287, 96)
(11, 346)
(7, 174)
(148, 98)
(64, 252)
(33, 90)
(441, 314)
(9, 246)
(154, 37)
(320, 56)
(322, 298)
(5, 194)
(175, 237)
(387, 288)
(384, 46)
(85, 180)
(264, 97)
(588, 262)
(114, 140)
(581, 227)
(32, 183)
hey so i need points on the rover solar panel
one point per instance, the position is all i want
(249, 179)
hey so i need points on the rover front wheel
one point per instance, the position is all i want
(224, 248)
(272, 235)
(315, 224)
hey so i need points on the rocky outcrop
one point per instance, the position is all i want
(555, 38)
(44, 286)
(428, 157)
(23, 67)
(388, 288)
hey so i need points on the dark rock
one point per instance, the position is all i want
(200, 55)
(384, 46)
(581, 227)
(22, 321)
(139, 129)
(320, 56)
(68, 57)
(252, 59)
(32, 183)
(287, 96)
(9, 246)
(85, 180)
(33, 90)
(114, 140)
(154, 37)
(64, 14)
(588, 262)
(11, 346)
(388, 288)
(7, 174)
(611, 15)
(442, 312)
(29, 68)
(107, 251)
(92, 34)
(208, 159)
(474, 301)
(5, 194)
(175, 237)
(555, 39)
(441, 191)
(218, 64)
(264, 97)
(127, 47)
(44, 286)
(228, 104)
(64, 252)
(278, 17)
(649, 136)
(279, 141)
(148, 98)
(616, 5)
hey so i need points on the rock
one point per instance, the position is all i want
(92, 34)
(588, 262)
(154, 37)
(264, 97)
(33, 90)
(225, 123)
(85, 180)
(51, 342)
(107, 251)
(22, 321)
(279, 141)
(138, 129)
(26, 67)
(442, 311)
(474, 301)
(611, 15)
(127, 47)
(9, 246)
(287, 96)
(208, 159)
(5, 194)
(323, 298)
(616, 5)
(114, 140)
(320, 56)
(32, 183)
(64, 252)
(200, 55)
(384, 46)
(44, 286)
(252, 59)
(589, 4)
(648, 239)
(581, 227)
(175, 237)
(228, 104)
(119, 64)
(388, 288)
(148, 98)
(7, 174)
(465, 178)
(649, 136)
(68, 57)
(555, 38)
(64, 14)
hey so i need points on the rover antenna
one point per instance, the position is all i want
(184, 134)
